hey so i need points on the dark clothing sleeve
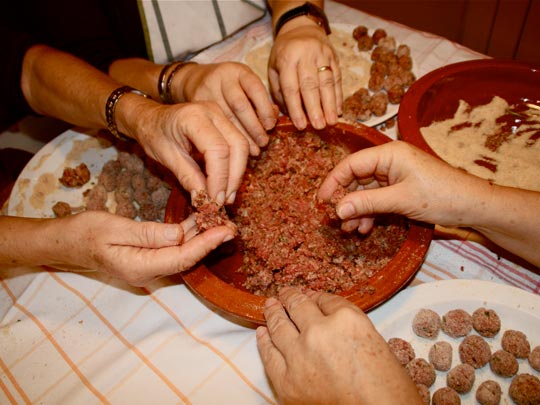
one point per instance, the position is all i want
(97, 31)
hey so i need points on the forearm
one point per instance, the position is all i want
(510, 218)
(27, 241)
(60, 85)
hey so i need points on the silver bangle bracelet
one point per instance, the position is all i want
(110, 108)
(165, 81)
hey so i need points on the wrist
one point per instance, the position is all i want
(129, 114)
(171, 82)
(307, 12)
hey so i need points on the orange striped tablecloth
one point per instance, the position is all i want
(87, 339)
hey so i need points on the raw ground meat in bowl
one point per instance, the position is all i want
(221, 284)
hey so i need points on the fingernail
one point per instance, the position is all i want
(269, 123)
(345, 211)
(228, 238)
(299, 123)
(171, 233)
(231, 197)
(319, 123)
(220, 199)
(270, 301)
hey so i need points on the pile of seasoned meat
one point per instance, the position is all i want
(390, 75)
(286, 234)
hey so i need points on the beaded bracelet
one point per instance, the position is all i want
(110, 107)
(165, 82)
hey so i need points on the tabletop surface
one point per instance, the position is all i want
(86, 338)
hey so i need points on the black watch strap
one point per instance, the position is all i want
(308, 9)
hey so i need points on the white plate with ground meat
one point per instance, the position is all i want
(517, 310)
(38, 189)
(355, 66)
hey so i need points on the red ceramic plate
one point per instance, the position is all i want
(217, 283)
(435, 96)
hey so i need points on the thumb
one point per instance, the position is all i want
(368, 202)
(153, 235)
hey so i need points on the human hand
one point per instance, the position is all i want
(319, 348)
(238, 91)
(399, 178)
(136, 252)
(168, 134)
(296, 77)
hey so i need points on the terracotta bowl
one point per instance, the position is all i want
(435, 96)
(216, 282)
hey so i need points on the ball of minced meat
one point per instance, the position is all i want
(440, 355)
(457, 323)
(489, 393)
(461, 378)
(503, 363)
(424, 393)
(421, 372)
(402, 349)
(475, 351)
(445, 396)
(486, 322)
(426, 323)
(516, 342)
(534, 358)
(525, 389)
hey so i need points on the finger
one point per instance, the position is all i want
(301, 309)
(331, 303)
(376, 201)
(273, 360)
(329, 93)
(310, 80)
(242, 112)
(275, 90)
(358, 166)
(290, 89)
(282, 330)
(145, 234)
(154, 263)
(254, 149)
(184, 168)
(338, 85)
(257, 94)
(238, 158)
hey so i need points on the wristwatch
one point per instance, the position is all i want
(308, 9)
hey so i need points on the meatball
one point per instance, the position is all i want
(378, 34)
(445, 396)
(425, 395)
(403, 50)
(475, 351)
(421, 372)
(379, 104)
(525, 389)
(61, 209)
(461, 378)
(96, 198)
(534, 358)
(402, 349)
(486, 322)
(359, 32)
(456, 323)
(426, 323)
(75, 177)
(440, 355)
(388, 43)
(489, 393)
(365, 43)
(503, 364)
(516, 342)
(395, 94)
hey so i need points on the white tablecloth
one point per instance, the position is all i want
(86, 338)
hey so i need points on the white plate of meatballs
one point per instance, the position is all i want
(466, 341)
(77, 171)
(376, 70)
